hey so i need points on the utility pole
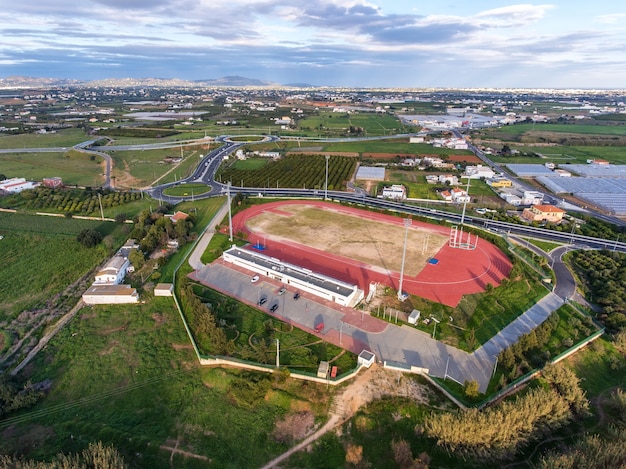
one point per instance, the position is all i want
(230, 213)
(407, 223)
(326, 186)
(277, 353)
(100, 201)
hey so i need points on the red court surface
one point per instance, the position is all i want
(458, 271)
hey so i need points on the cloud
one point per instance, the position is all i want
(612, 18)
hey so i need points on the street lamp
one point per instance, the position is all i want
(326, 186)
(407, 223)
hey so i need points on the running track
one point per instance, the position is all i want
(458, 272)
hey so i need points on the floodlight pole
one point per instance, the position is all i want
(230, 213)
(465, 203)
(445, 374)
(326, 186)
(407, 223)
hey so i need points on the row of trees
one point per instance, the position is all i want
(530, 351)
(208, 335)
(498, 433)
(69, 200)
(605, 275)
(296, 171)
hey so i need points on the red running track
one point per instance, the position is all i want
(458, 272)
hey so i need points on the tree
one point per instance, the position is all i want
(471, 389)
(120, 218)
(89, 238)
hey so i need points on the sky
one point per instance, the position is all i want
(349, 43)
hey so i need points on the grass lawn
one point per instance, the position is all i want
(547, 246)
(75, 168)
(127, 376)
(187, 189)
(40, 257)
(250, 164)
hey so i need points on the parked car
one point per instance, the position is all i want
(254, 279)
(282, 290)
(262, 300)
(274, 307)
(296, 295)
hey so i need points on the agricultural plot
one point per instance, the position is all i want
(365, 123)
(40, 257)
(295, 170)
(565, 154)
(63, 138)
(75, 168)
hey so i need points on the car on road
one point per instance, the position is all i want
(254, 279)
(296, 295)
(274, 307)
(282, 290)
(262, 300)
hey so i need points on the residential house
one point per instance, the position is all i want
(396, 191)
(547, 213)
(113, 272)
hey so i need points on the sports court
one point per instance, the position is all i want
(364, 247)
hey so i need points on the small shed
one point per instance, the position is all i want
(163, 289)
(414, 316)
(322, 371)
(366, 358)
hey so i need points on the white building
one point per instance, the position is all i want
(16, 185)
(113, 272)
(511, 198)
(532, 198)
(110, 294)
(331, 289)
(164, 289)
(396, 192)
(479, 172)
(459, 195)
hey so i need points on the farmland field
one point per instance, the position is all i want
(40, 257)
(75, 168)
(62, 138)
(565, 154)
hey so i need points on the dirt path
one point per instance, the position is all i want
(371, 384)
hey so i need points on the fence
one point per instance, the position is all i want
(531, 374)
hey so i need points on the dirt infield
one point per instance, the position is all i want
(362, 247)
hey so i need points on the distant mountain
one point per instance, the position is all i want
(235, 81)
(299, 85)
(229, 81)
(31, 82)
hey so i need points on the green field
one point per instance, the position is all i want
(187, 189)
(565, 154)
(62, 138)
(127, 376)
(40, 257)
(584, 129)
(140, 168)
(75, 168)
(339, 123)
